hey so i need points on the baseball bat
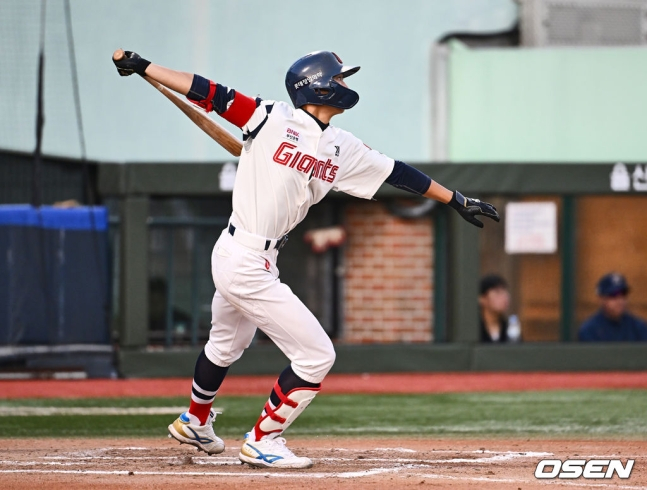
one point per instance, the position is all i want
(219, 134)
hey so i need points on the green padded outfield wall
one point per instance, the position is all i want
(547, 105)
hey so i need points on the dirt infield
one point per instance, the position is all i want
(348, 463)
(340, 462)
(333, 384)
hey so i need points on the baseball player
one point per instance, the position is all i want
(291, 158)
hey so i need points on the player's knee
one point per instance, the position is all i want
(220, 358)
(312, 366)
(327, 358)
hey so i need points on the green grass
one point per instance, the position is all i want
(593, 414)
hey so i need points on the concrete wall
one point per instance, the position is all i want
(248, 44)
(548, 105)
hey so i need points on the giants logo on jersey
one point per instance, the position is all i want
(325, 171)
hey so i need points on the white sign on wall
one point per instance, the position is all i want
(531, 227)
(621, 178)
(227, 176)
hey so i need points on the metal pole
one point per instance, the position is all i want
(440, 54)
(195, 286)
(37, 185)
(440, 275)
(568, 267)
(464, 272)
(133, 272)
(170, 286)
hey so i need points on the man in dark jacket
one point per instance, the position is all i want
(612, 322)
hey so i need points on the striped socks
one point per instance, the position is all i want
(207, 379)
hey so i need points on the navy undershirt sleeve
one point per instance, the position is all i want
(409, 179)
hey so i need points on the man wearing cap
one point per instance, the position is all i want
(612, 322)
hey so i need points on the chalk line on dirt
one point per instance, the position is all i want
(19, 411)
(518, 480)
(348, 474)
(302, 475)
(82, 460)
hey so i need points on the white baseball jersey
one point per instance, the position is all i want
(289, 164)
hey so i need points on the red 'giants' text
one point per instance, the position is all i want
(325, 171)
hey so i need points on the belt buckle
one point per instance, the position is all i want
(281, 243)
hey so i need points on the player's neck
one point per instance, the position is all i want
(322, 112)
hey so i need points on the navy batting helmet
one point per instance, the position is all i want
(310, 81)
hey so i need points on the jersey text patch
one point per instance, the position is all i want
(305, 163)
(292, 135)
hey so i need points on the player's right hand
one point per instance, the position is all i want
(468, 208)
(131, 63)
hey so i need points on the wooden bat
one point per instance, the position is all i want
(221, 136)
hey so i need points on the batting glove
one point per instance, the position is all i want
(131, 63)
(468, 208)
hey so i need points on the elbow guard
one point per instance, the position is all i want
(231, 105)
(409, 179)
(202, 92)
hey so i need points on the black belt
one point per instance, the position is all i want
(279, 243)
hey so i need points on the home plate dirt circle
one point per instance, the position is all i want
(340, 462)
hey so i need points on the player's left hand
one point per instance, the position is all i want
(468, 208)
(131, 63)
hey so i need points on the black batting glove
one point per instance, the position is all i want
(468, 208)
(131, 63)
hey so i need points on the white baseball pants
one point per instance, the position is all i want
(249, 295)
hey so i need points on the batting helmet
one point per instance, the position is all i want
(310, 80)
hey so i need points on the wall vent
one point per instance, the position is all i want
(583, 22)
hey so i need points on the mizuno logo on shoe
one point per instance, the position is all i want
(196, 437)
(270, 458)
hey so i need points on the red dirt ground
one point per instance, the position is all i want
(340, 462)
(333, 384)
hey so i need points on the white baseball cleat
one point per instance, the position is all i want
(201, 436)
(271, 453)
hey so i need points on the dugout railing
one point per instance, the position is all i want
(456, 346)
(173, 327)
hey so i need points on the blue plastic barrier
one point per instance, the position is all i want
(53, 275)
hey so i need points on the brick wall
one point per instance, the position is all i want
(388, 287)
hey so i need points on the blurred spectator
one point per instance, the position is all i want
(612, 322)
(494, 301)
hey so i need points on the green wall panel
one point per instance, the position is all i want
(547, 105)
(267, 359)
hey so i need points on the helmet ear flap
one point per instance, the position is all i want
(300, 100)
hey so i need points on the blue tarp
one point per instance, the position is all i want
(53, 275)
(79, 218)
